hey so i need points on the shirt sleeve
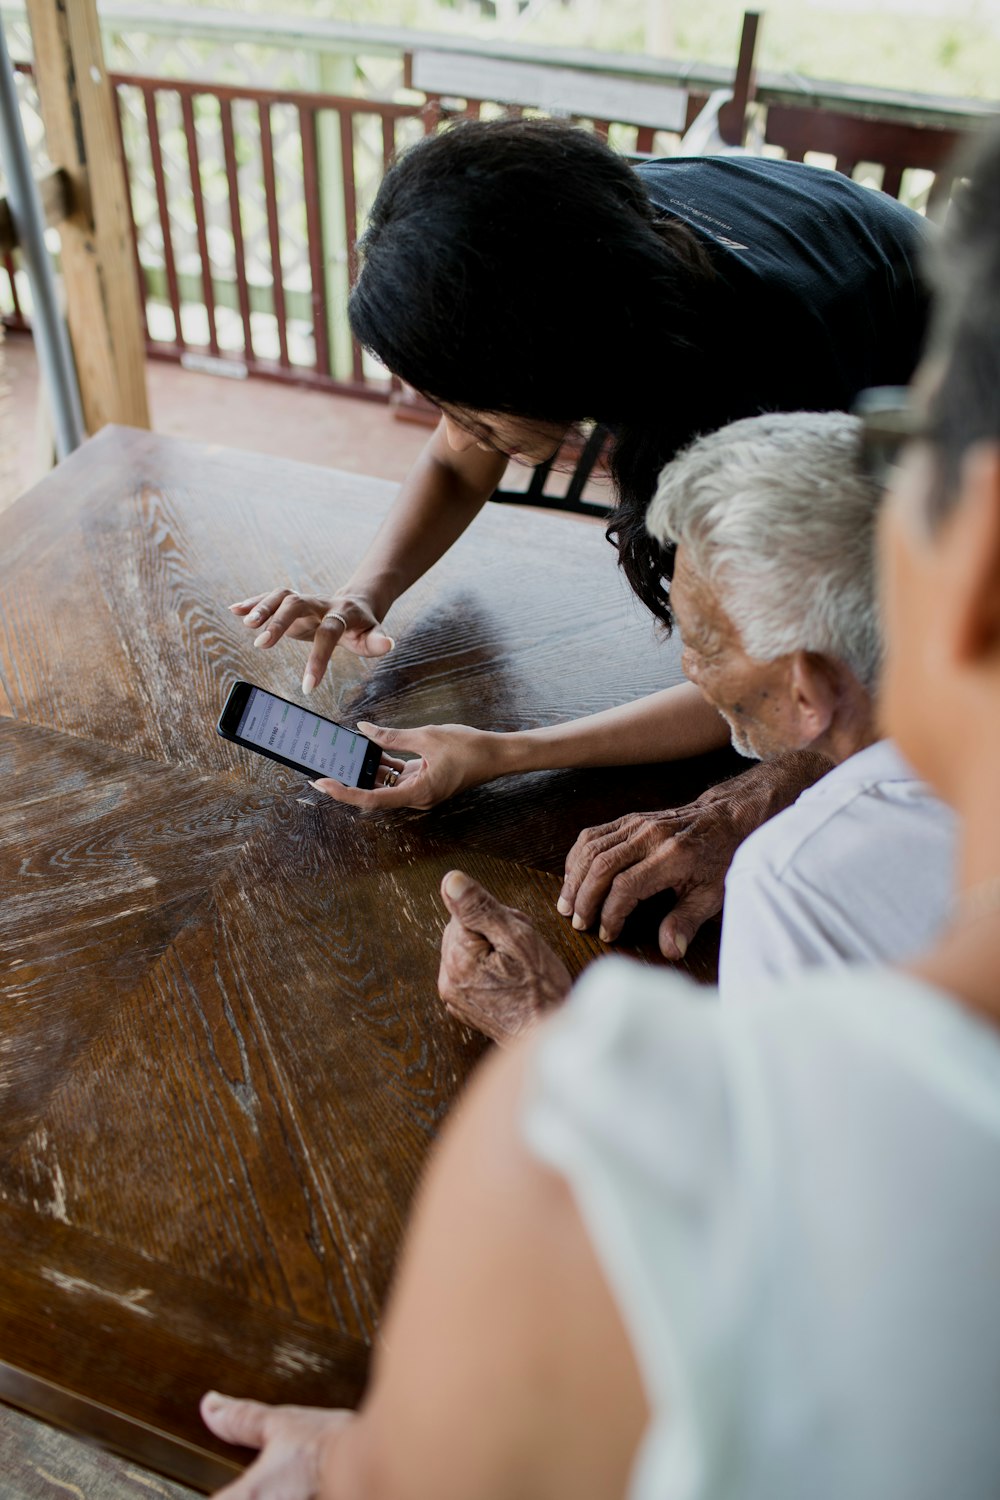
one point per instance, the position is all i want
(631, 1099)
(768, 933)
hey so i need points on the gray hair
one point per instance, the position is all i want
(775, 513)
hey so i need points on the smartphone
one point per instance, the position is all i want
(296, 737)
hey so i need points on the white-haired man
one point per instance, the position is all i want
(774, 594)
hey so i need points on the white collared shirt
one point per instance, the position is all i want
(795, 1203)
(859, 869)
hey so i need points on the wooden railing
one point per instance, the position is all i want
(248, 266)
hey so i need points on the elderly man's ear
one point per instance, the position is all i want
(825, 694)
(970, 549)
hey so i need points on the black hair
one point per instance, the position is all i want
(965, 329)
(518, 267)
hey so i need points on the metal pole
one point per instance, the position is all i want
(55, 357)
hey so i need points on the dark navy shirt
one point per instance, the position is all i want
(816, 294)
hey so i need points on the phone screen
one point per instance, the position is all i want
(294, 733)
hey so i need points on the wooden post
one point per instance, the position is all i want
(102, 300)
(733, 116)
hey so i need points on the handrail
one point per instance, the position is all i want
(349, 38)
(267, 294)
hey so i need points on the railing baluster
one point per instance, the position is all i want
(236, 220)
(388, 141)
(271, 199)
(892, 181)
(194, 167)
(314, 237)
(140, 278)
(350, 217)
(156, 157)
(18, 317)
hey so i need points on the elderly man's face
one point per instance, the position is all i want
(754, 697)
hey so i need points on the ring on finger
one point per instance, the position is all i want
(333, 615)
(391, 776)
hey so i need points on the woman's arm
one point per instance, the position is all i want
(441, 495)
(500, 1332)
(670, 725)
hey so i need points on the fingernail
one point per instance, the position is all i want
(604, 935)
(255, 614)
(392, 643)
(564, 907)
(456, 883)
(308, 683)
(364, 726)
(579, 923)
(680, 943)
(214, 1400)
(263, 638)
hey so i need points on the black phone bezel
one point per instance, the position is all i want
(233, 711)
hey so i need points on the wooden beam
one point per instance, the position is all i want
(102, 301)
(56, 195)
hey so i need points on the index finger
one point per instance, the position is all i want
(325, 642)
(591, 843)
(235, 1420)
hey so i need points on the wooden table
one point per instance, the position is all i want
(222, 1056)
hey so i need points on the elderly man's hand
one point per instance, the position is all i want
(497, 974)
(295, 1445)
(612, 867)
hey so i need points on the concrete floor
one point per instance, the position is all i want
(260, 415)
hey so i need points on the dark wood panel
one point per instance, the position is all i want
(222, 1055)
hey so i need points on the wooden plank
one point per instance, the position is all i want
(565, 90)
(103, 312)
(55, 193)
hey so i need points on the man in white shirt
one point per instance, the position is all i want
(774, 595)
(773, 591)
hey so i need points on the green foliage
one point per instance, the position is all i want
(936, 46)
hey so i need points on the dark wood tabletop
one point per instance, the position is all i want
(222, 1055)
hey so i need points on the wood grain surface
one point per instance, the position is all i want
(222, 1055)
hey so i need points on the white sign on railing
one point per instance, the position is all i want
(564, 91)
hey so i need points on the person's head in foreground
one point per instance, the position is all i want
(673, 1249)
(773, 587)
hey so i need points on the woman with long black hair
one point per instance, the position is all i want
(527, 279)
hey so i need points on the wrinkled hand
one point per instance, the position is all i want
(497, 974)
(303, 617)
(295, 1443)
(450, 757)
(612, 867)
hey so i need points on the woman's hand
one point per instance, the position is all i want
(612, 867)
(294, 1441)
(497, 975)
(450, 757)
(303, 617)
